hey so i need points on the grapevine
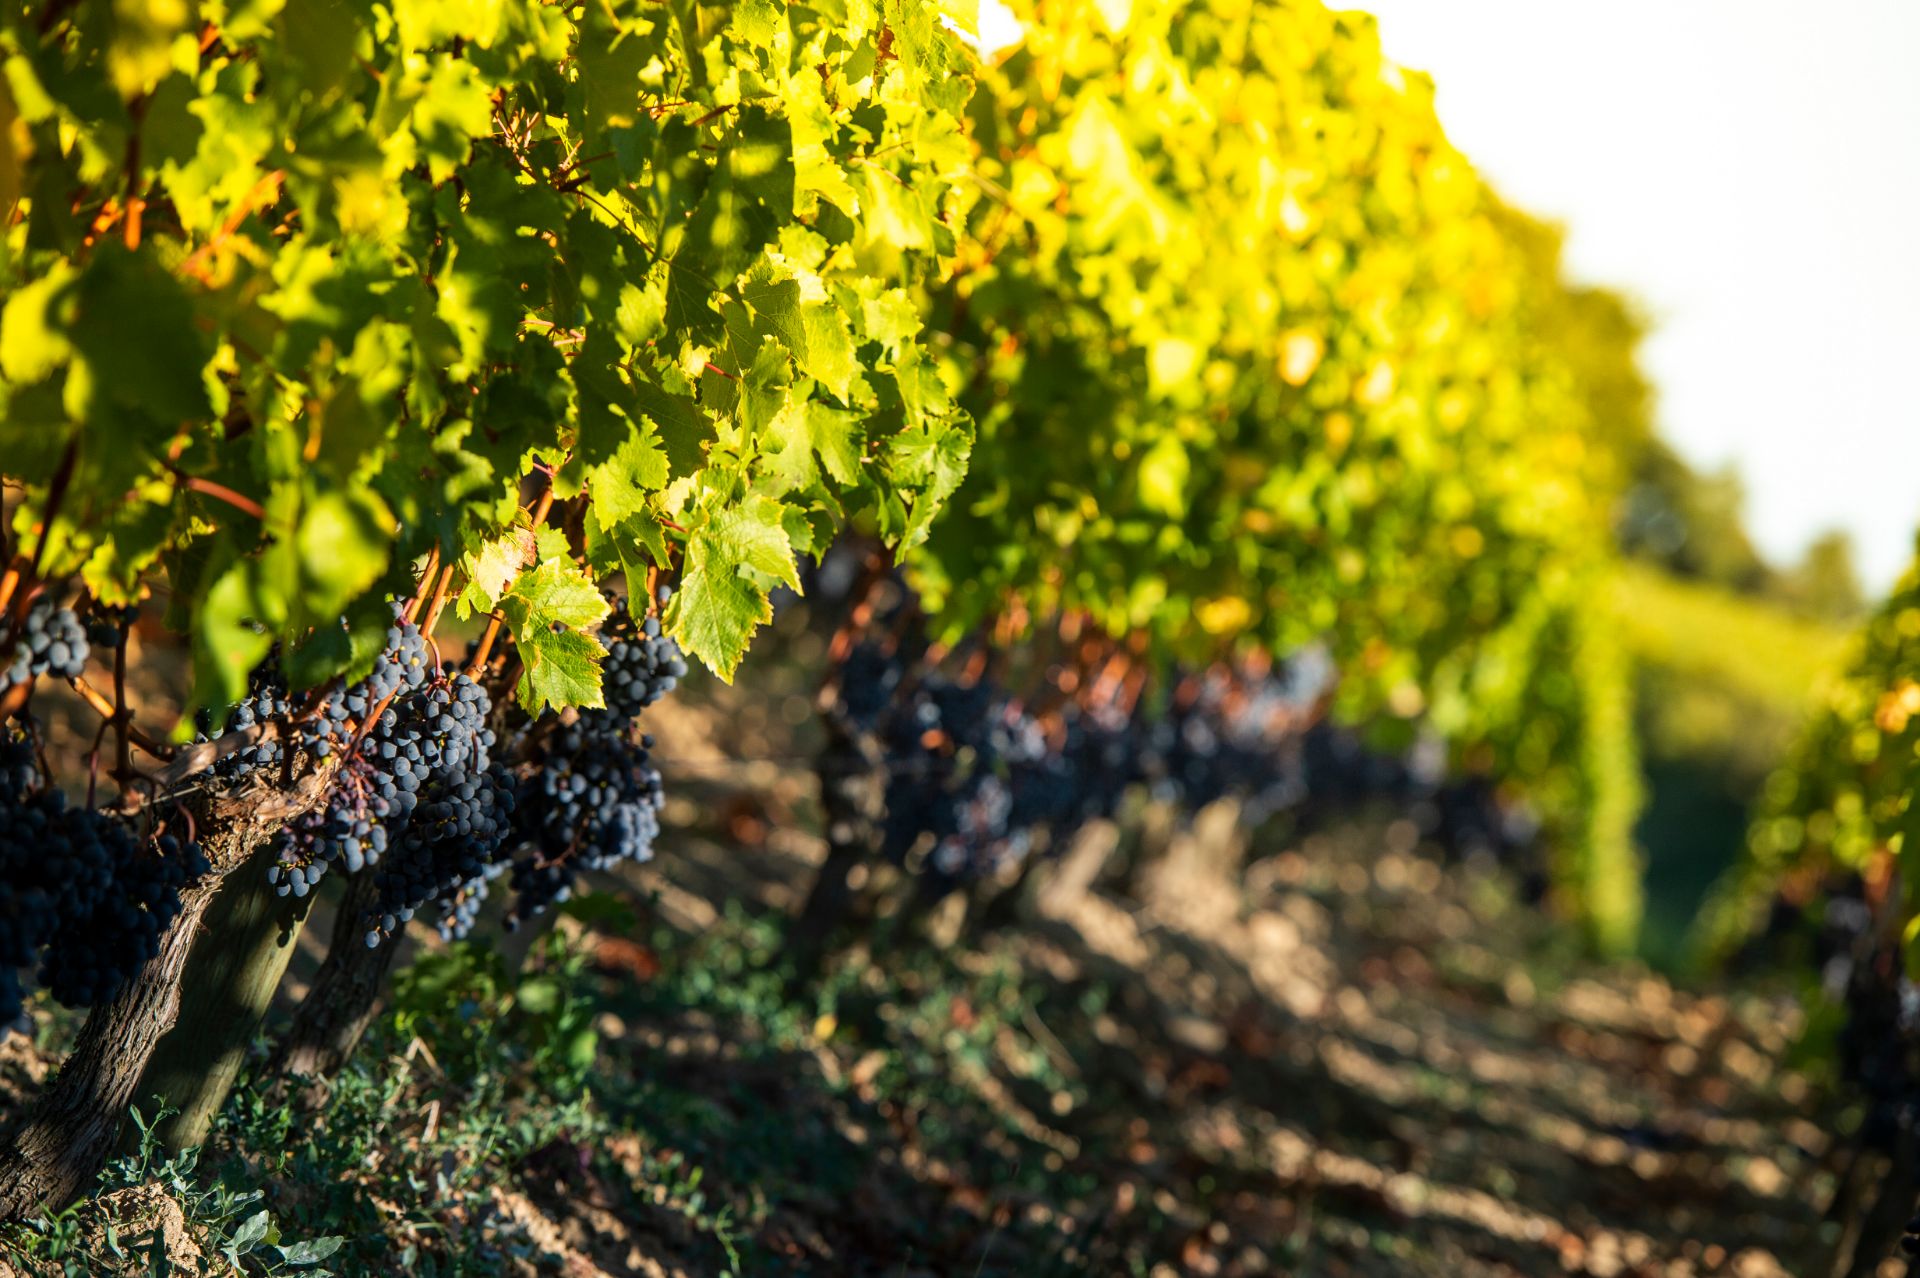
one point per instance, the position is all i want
(478, 316)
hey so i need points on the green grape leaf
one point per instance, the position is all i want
(891, 319)
(621, 485)
(491, 568)
(611, 61)
(136, 326)
(33, 338)
(720, 602)
(685, 431)
(806, 430)
(455, 108)
(1164, 472)
(927, 463)
(551, 610)
(343, 541)
(235, 630)
(551, 543)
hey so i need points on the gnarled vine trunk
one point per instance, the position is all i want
(73, 1128)
(853, 795)
(236, 966)
(339, 1006)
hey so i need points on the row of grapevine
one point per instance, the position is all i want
(326, 321)
(1295, 375)
(316, 307)
(1845, 798)
(1828, 878)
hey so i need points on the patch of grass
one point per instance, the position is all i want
(155, 1214)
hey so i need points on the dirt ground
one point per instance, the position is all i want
(1198, 1050)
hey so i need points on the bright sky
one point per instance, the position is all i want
(1750, 171)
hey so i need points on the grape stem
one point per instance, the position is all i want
(98, 700)
(220, 492)
(438, 603)
(412, 610)
(262, 193)
(9, 582)
(537, 515)
(136, 204)
(56, 494)
(485, 647)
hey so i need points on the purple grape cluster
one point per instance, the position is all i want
(590, 798)
(415, 798)
(972, 776)
(82, 899)
(418, 800)
(51, 641)
(107, 625)
(642, 666)
(383, 760)
(591, 801)
(447, 851)
(101, 948)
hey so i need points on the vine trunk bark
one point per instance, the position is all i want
(231, 976)
(332, 1019)
(75, 1125)
(1872, 1231)
(853, 800)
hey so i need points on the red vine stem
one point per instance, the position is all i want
(262, 193)
(98, 700)
(122, 713)
(435, 604)
(438, 603)
(484, 650)
(136, 203)
(485, 647)
(244, 504)
(412, 610)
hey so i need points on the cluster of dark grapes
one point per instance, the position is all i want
(868, 678)
(592, 800)
(448, 852)
(972, 776)
(373, 728)
(642, 665)
(102, 949)
(1464, 816)
(415, 799)
(418, 800)
(458, 908)
(267, 699)
(1858, 952)
(1852, 937)
(107, 624)
(82, 899)
(50, 641)
(1860, 968)
(592, 796)
(936, 742)
(1234, 732)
